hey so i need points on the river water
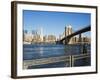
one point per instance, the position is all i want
(37, 51)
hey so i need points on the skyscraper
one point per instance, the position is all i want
(25, 31)
(41, 34)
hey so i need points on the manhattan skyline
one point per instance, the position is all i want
(54, 22)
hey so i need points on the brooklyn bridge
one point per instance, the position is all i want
(65, 40)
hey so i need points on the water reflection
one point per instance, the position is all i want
(41, 51)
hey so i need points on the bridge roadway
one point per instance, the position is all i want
(69, 60)
(88, 28)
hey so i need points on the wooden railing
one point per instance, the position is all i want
(70, 60)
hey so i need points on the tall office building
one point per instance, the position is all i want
(41, 34)
(25, 31)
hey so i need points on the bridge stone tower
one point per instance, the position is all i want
(68, 31)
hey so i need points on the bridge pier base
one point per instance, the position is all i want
(80, 38)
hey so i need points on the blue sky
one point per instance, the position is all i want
(54, 22)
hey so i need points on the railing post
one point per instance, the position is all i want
(71, 61)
